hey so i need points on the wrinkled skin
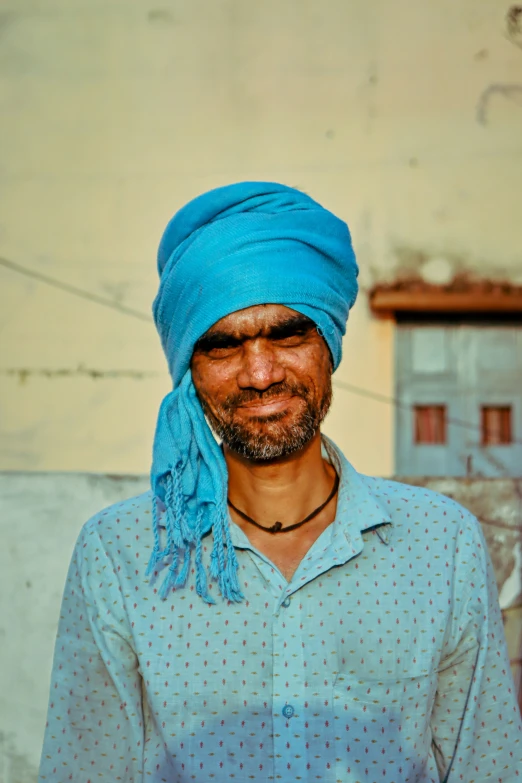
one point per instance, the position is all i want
(263, 377)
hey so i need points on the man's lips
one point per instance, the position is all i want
(267, 407)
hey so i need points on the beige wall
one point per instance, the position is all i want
(405, 118)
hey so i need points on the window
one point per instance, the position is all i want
(430, 424)
(460, 390)
(496, 425)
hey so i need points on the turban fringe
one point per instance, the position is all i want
(234, 247)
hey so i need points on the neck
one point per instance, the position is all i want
(286, 489)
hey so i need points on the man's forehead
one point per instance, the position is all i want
(255, 318)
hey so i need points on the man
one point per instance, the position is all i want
(350, 628)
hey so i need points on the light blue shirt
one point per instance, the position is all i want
(383, 659)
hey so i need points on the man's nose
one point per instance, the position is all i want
(260, 367)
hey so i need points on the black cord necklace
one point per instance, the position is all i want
(277, 527)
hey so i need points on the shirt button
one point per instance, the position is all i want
(288, 711)
(286, 602)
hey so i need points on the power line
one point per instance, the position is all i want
(110, 303)
(362, 392)
(71, 289)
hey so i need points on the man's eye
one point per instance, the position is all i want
(290, 340)
(220, 351)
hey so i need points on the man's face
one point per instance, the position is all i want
(263, 377)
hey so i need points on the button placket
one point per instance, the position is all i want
(289, 694)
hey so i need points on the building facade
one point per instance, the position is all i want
(405, 119)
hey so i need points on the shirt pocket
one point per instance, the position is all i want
(390, 648)
(383, 693)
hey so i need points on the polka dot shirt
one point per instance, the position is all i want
(383, 659)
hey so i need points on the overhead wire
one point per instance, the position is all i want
(132, 312)
(362, 392)
(74, 290)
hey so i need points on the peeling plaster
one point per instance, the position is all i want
(437, 270)
(512, 92)
(411, 261)
(456, 270)
(512, 587)
(514, 24)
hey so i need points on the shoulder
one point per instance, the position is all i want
(120, 527)
(436, 528)
(119, 513)
(405, 504)
(411, 505)
(110, 558)
(397, 492)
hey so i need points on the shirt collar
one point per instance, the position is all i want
(357, 508)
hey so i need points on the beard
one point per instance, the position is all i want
(276, 435)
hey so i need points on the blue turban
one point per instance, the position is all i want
(234, 247)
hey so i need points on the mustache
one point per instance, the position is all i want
(283, 389)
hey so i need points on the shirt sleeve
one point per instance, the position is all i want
(94, 727)
(476, 727)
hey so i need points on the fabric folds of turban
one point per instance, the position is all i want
(234, 247)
